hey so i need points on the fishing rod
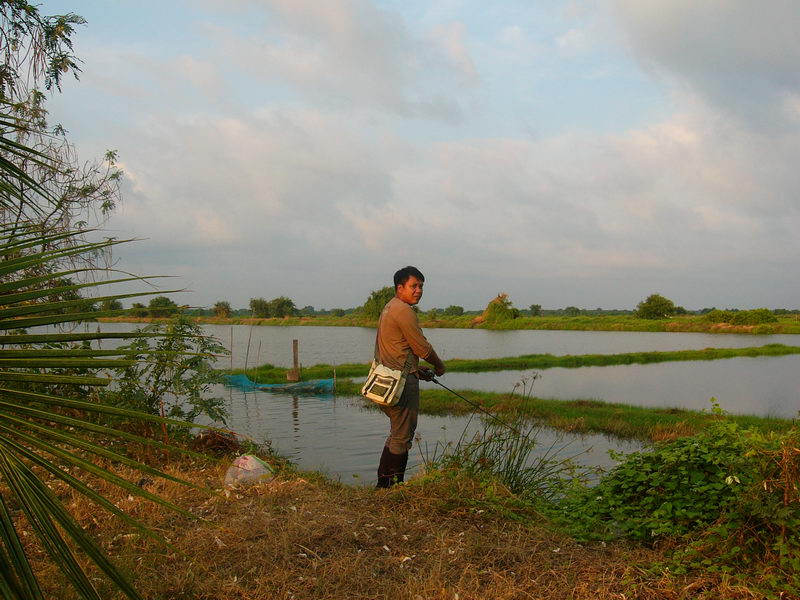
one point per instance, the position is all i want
(478, 407)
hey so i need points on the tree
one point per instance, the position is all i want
(572, 311)
(282, 307)
(337, 312)
(454, 311)
(307, 311)
(161, 307)
(49, 187)
(222, 309)
(259, 308)
(500, 309)
(655, 306)
(536, 310)
(138, 310)
(377, 300)
(112, 304)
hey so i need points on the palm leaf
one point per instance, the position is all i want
(35, 436)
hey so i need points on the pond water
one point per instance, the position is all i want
(341, 437)
(763, 385)
(339, 345)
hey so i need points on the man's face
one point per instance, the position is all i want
(411, 291)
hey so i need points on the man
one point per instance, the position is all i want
(399, 339)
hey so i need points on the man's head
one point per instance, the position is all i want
(408, 283)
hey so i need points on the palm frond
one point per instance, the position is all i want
(42, 431)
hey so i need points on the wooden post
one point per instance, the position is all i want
(293, 374)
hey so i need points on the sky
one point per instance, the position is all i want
(565, 152)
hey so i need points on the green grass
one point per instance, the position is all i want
(272, 374)
(585, 416)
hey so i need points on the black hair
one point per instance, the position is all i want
(403, 275)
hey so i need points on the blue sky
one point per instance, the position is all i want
(569, 152)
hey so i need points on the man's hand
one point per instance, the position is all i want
(438, 365)
(425, 374)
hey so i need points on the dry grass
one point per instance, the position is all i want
(305, 538)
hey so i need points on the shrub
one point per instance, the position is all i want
(454, 311)
(655, 306)
(716, 315)
(730, 496)
(674, 489)
(173, 373)
(756, 316)
(500, 309)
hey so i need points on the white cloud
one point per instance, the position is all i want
(451, 38)
(573, 41)
(741, 56)
(353, 53)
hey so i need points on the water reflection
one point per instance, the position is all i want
(340, 436)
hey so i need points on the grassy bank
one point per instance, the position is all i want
(271, 374)
(689, 323)
(300, 537)
(586, 416)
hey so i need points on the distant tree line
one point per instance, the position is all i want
(499, 309)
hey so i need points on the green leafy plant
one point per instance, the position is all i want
(172, 372)
(676, 488)
(758, 534)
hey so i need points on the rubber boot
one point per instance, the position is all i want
(385, 469)
(392, 468)
(399, 467)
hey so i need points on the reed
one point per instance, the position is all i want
(507, 448)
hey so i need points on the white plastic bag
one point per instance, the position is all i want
(248, 469)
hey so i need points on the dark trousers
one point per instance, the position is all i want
(403, 418)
